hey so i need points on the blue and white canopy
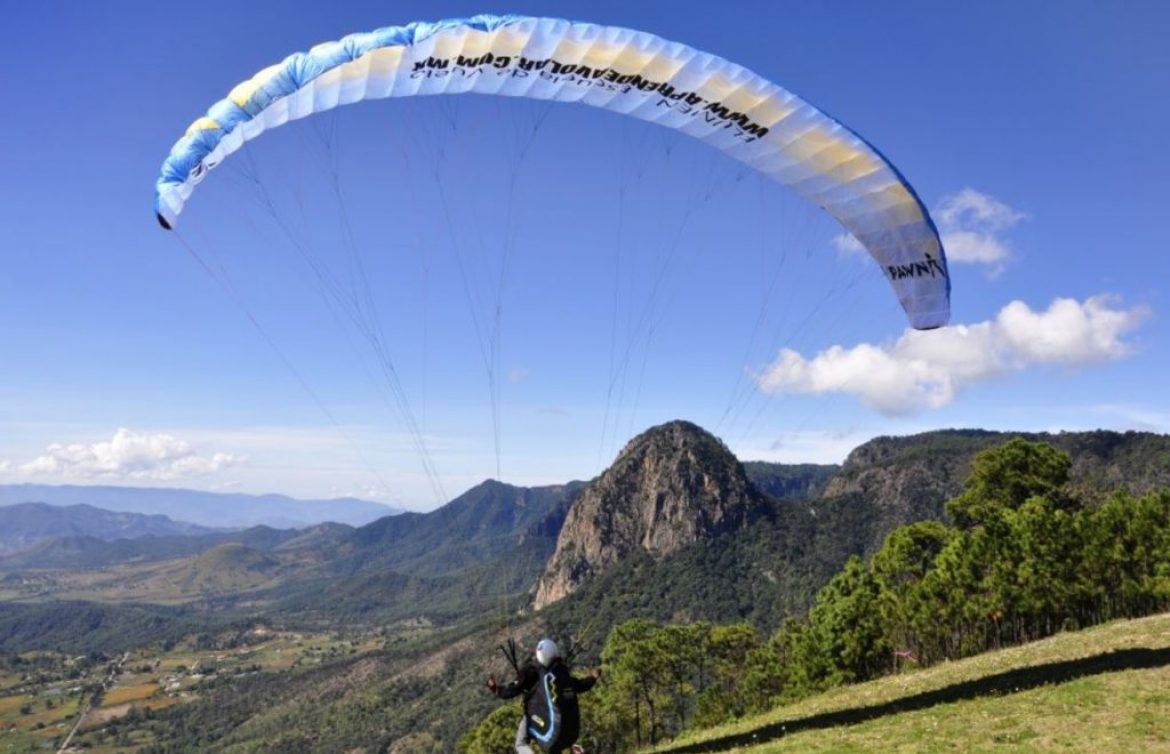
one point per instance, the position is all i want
(729, 107)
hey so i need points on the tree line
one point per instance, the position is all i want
(1025, 554)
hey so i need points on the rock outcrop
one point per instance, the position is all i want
(671, 486)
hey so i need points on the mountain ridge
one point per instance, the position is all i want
(671, 486)
(452, 584)
(221, 510)
(694, 511)
(26, 525)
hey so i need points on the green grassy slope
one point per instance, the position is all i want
(1105, 689)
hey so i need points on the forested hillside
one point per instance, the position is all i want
(1030, 553)
(912, 552)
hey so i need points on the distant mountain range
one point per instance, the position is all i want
(207, 509)
(677, 527)
(26, 525)
(80, 552)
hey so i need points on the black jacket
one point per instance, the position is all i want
(551, 709)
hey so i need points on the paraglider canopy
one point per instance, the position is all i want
(722, 104)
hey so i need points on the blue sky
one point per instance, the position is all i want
(1034, 131)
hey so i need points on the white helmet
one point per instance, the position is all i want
(546, 652)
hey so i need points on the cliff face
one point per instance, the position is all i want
(920, 472)
(908, 481)
(671, 486)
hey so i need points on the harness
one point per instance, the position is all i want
(546, 729)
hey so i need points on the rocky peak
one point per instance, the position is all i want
(673, 485)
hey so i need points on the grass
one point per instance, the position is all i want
(123, 694)
(1105, 689)
(19, 732)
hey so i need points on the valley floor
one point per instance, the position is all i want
(1105, 689)
(40, 707)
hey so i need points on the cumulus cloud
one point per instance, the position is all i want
(927, 370)
(972, 226)
(970, 208)
(128, 455)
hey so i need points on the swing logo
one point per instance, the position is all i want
(545, 731)
(929, 267)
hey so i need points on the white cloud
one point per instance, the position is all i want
(847, 246)
(971, 225)
(927, 370)
(964, 246)
(128, 455)
(970, 208)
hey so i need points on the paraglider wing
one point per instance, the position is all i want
(734, 110)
